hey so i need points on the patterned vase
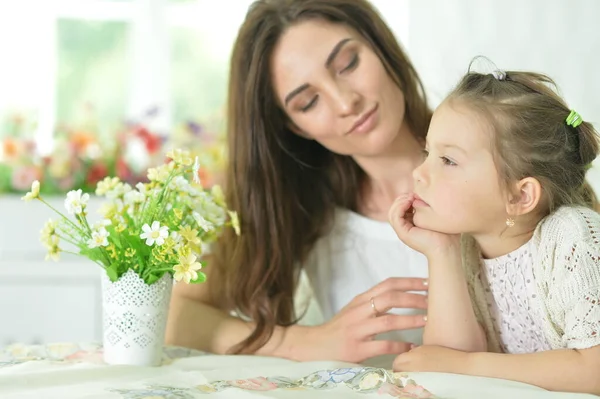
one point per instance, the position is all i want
(134, 319)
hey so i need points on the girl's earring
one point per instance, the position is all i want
(510, 222)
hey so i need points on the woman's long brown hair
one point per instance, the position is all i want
(286, 188)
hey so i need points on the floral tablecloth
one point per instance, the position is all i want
(68, 371)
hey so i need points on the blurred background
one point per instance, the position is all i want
(90, 88)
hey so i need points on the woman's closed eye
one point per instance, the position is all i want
(310, 104)
(352, 64)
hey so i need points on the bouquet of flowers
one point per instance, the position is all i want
(163, 226)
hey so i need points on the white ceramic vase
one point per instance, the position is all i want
(134, 319)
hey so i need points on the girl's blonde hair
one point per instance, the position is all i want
(531, 136)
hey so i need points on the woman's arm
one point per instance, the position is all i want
(565, 370)
(195, 321)
(451, 321)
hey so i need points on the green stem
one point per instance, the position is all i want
(60, 214)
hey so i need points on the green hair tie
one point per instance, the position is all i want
(574, 119)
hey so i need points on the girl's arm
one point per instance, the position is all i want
(451, 321)
(565, 370)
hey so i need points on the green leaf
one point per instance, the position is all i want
(200, 279)
(154, 277)
(112, 273)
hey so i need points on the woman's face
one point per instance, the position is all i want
(335, 89)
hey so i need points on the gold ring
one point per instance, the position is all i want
(375, 311)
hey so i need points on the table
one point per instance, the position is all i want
(72, 370)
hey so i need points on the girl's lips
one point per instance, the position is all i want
(419, 203)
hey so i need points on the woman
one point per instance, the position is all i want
(327, 119)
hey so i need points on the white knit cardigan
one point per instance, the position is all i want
(567, 277)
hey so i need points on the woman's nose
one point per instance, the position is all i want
(348, 101)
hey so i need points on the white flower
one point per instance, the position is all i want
(76, 202)
(196, 170)
(142, 188)
(99, 239)
(203, 223)
(175, 236)
(179, 183)
(100, 225)
(134, 197)
(118, 191)
(34, 193)
(187, 269)
(155, 234)
(106, 185)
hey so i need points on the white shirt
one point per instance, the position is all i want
(356, 255)
(565, 265)
(513, 300)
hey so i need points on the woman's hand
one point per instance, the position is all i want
(349, 336)
(428, 242)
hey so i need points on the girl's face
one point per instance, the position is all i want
(335, 89)
(458, 183)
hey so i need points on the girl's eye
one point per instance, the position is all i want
(353, 63)
(448, 161)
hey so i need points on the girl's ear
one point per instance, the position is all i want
(525, 197)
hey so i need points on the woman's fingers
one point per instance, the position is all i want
(394, 299)
(377, 348)
(389, 322)
(391, 284)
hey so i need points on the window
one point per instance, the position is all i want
(91, 69)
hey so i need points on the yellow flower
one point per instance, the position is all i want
(178, 213)
(49, 230)
(112, 251)
(235, 221)
(130, 252)
(108, 210)
(190, 235)
(161, 173)
(187, 268)
(180, 157)
(218, 195)
(34, 193)
(120, 228)
(53, 249)
(185, 251)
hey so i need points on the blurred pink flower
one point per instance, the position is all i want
(23, 177)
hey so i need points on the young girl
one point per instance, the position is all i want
(505, 168)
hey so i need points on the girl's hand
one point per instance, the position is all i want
(349, 336)
(428, 242)
(433, 359)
